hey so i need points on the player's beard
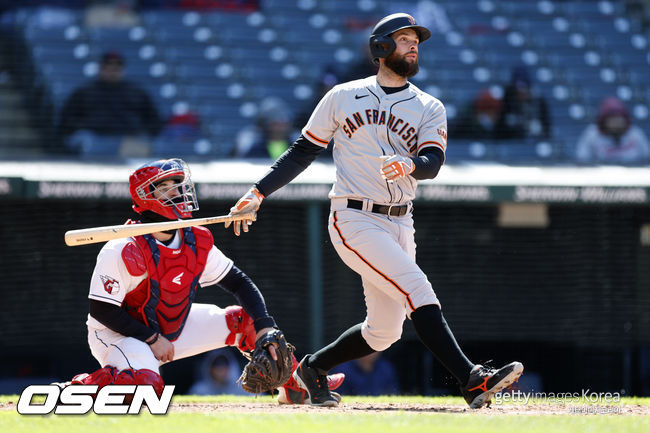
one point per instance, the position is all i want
(401, 66)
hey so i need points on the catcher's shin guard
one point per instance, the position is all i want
(143, 376)
(110, 376)
(240, 324)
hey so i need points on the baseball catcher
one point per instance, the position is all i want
(142, 291)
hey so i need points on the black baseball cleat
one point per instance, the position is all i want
(315, 383)
(484, 382)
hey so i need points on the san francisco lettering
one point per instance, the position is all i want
(376, 117)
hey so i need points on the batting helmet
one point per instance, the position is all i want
(172, 203)
(381, 43)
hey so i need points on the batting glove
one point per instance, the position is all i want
(250, 202)
(396, 166)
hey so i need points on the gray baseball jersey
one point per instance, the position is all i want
(366, 123)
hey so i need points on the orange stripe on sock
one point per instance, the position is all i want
(393, 283)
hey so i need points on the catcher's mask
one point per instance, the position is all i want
(382, 44)
(174, 202)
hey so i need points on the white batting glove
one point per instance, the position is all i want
(396, 166)
(250, 202)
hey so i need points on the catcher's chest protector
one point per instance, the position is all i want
(163, 300)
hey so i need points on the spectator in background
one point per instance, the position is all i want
(180, 136)
(218, 374)
(362, 68)
(613, 138)
(271, 134)
(524, 114)
(332, 76)
(369, 375)
(479, 119)
(110, 107)
(328, 79)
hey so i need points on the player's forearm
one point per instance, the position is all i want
(118, 320)
(428, 163)
(289, 165)
(249, 297)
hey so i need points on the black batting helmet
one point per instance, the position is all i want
(382, 45)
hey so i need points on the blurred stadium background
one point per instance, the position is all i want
(560, 280)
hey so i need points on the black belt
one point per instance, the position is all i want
(378, 208)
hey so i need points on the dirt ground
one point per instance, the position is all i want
(530, 409)
(538, 409)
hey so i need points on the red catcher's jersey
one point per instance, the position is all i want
(163, 300)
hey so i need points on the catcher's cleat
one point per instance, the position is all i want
(299, 396)
(335, 380)
(291, 393)
(316, 383)
(100, 377)
(484, 382)
(79, 379)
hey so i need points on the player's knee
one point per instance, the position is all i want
(380, 339)
(242, 331)
(423, 295)
(111, 376)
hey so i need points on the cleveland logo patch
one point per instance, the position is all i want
(110, 284)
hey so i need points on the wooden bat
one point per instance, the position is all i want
(95, 235)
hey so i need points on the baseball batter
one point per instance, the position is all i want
(387, 134)
(142, 290)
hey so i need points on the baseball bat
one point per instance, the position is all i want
(95, 235)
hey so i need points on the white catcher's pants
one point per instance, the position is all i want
(382, 250)
(205, 329)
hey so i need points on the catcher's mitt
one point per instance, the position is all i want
(262, 373)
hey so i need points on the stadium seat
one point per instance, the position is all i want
(578, 52)
(469, 150)
(528, 151)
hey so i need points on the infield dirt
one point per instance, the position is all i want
(493, 410)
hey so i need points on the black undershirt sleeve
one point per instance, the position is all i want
(289, 165)
(428, 163)
(118, 320)
(249, 297)
(303, 152)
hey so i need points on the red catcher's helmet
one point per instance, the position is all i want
(143, 183)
